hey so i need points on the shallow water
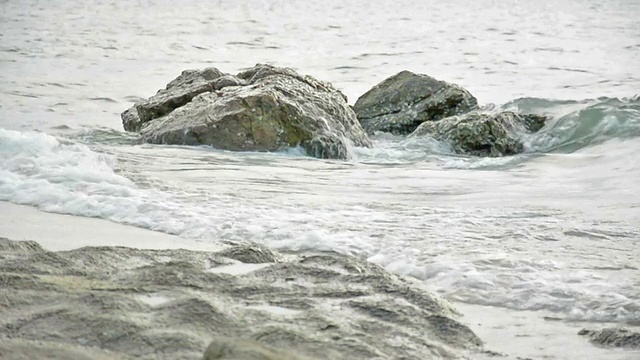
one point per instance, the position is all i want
(555, 229)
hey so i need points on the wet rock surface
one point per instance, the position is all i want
(232, 349)
(481, 134)
(101, 302)
(402, 102)
(264, 108)
(177, 93)
(613, 337)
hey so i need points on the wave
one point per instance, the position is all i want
(59, 176)
(525, 284)
(576, 125)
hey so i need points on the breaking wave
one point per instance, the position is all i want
(573, 126)
(578, 124)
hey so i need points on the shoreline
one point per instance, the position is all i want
(514, 334)
(57, 232)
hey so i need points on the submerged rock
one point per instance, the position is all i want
(483, 134)
(170, 304)
(262, 109)
(402, 102)
(614, 337)
(532, 122)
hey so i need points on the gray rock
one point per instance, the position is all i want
(533, 122)
(250, 254)
(130, 120)
(483, 134)
(613, 337)
(177, 93)
(275, 109)
(327, 147)
(16, 349)
(402, 102)
(169, 304)
(235, 349)
(19, 248)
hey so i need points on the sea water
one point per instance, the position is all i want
(554, 229)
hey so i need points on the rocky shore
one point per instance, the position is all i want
(267, 108)
(244, 302)
(613, 337)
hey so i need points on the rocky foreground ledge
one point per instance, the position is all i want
(246, 302)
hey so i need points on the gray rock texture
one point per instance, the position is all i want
(480, 134)
(116, 302)
(176, 94)
(402, 102)
(262, 109)
(613, 337)
(234, 349)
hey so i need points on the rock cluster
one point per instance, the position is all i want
(419, 105)
(254, 303)
(267, 108)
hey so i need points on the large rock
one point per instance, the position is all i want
(117, 302)
(177, 93)
(613, 337)
(262, 109)
(483, 134)
(402, 102)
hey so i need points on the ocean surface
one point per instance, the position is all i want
(555, 229)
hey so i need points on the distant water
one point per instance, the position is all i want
(557, 228)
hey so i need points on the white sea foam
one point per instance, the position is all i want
(424, 221)
(56, 176)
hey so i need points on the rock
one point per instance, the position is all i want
(177, 93)
(16, 349)
(402, 102)
(250, 254)
(169, 304)
(234, 349)
(327, 147)
(533, 122)
(483, 134)
(18, 248)
(130, 120)
(264, 108)
(614, 337)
